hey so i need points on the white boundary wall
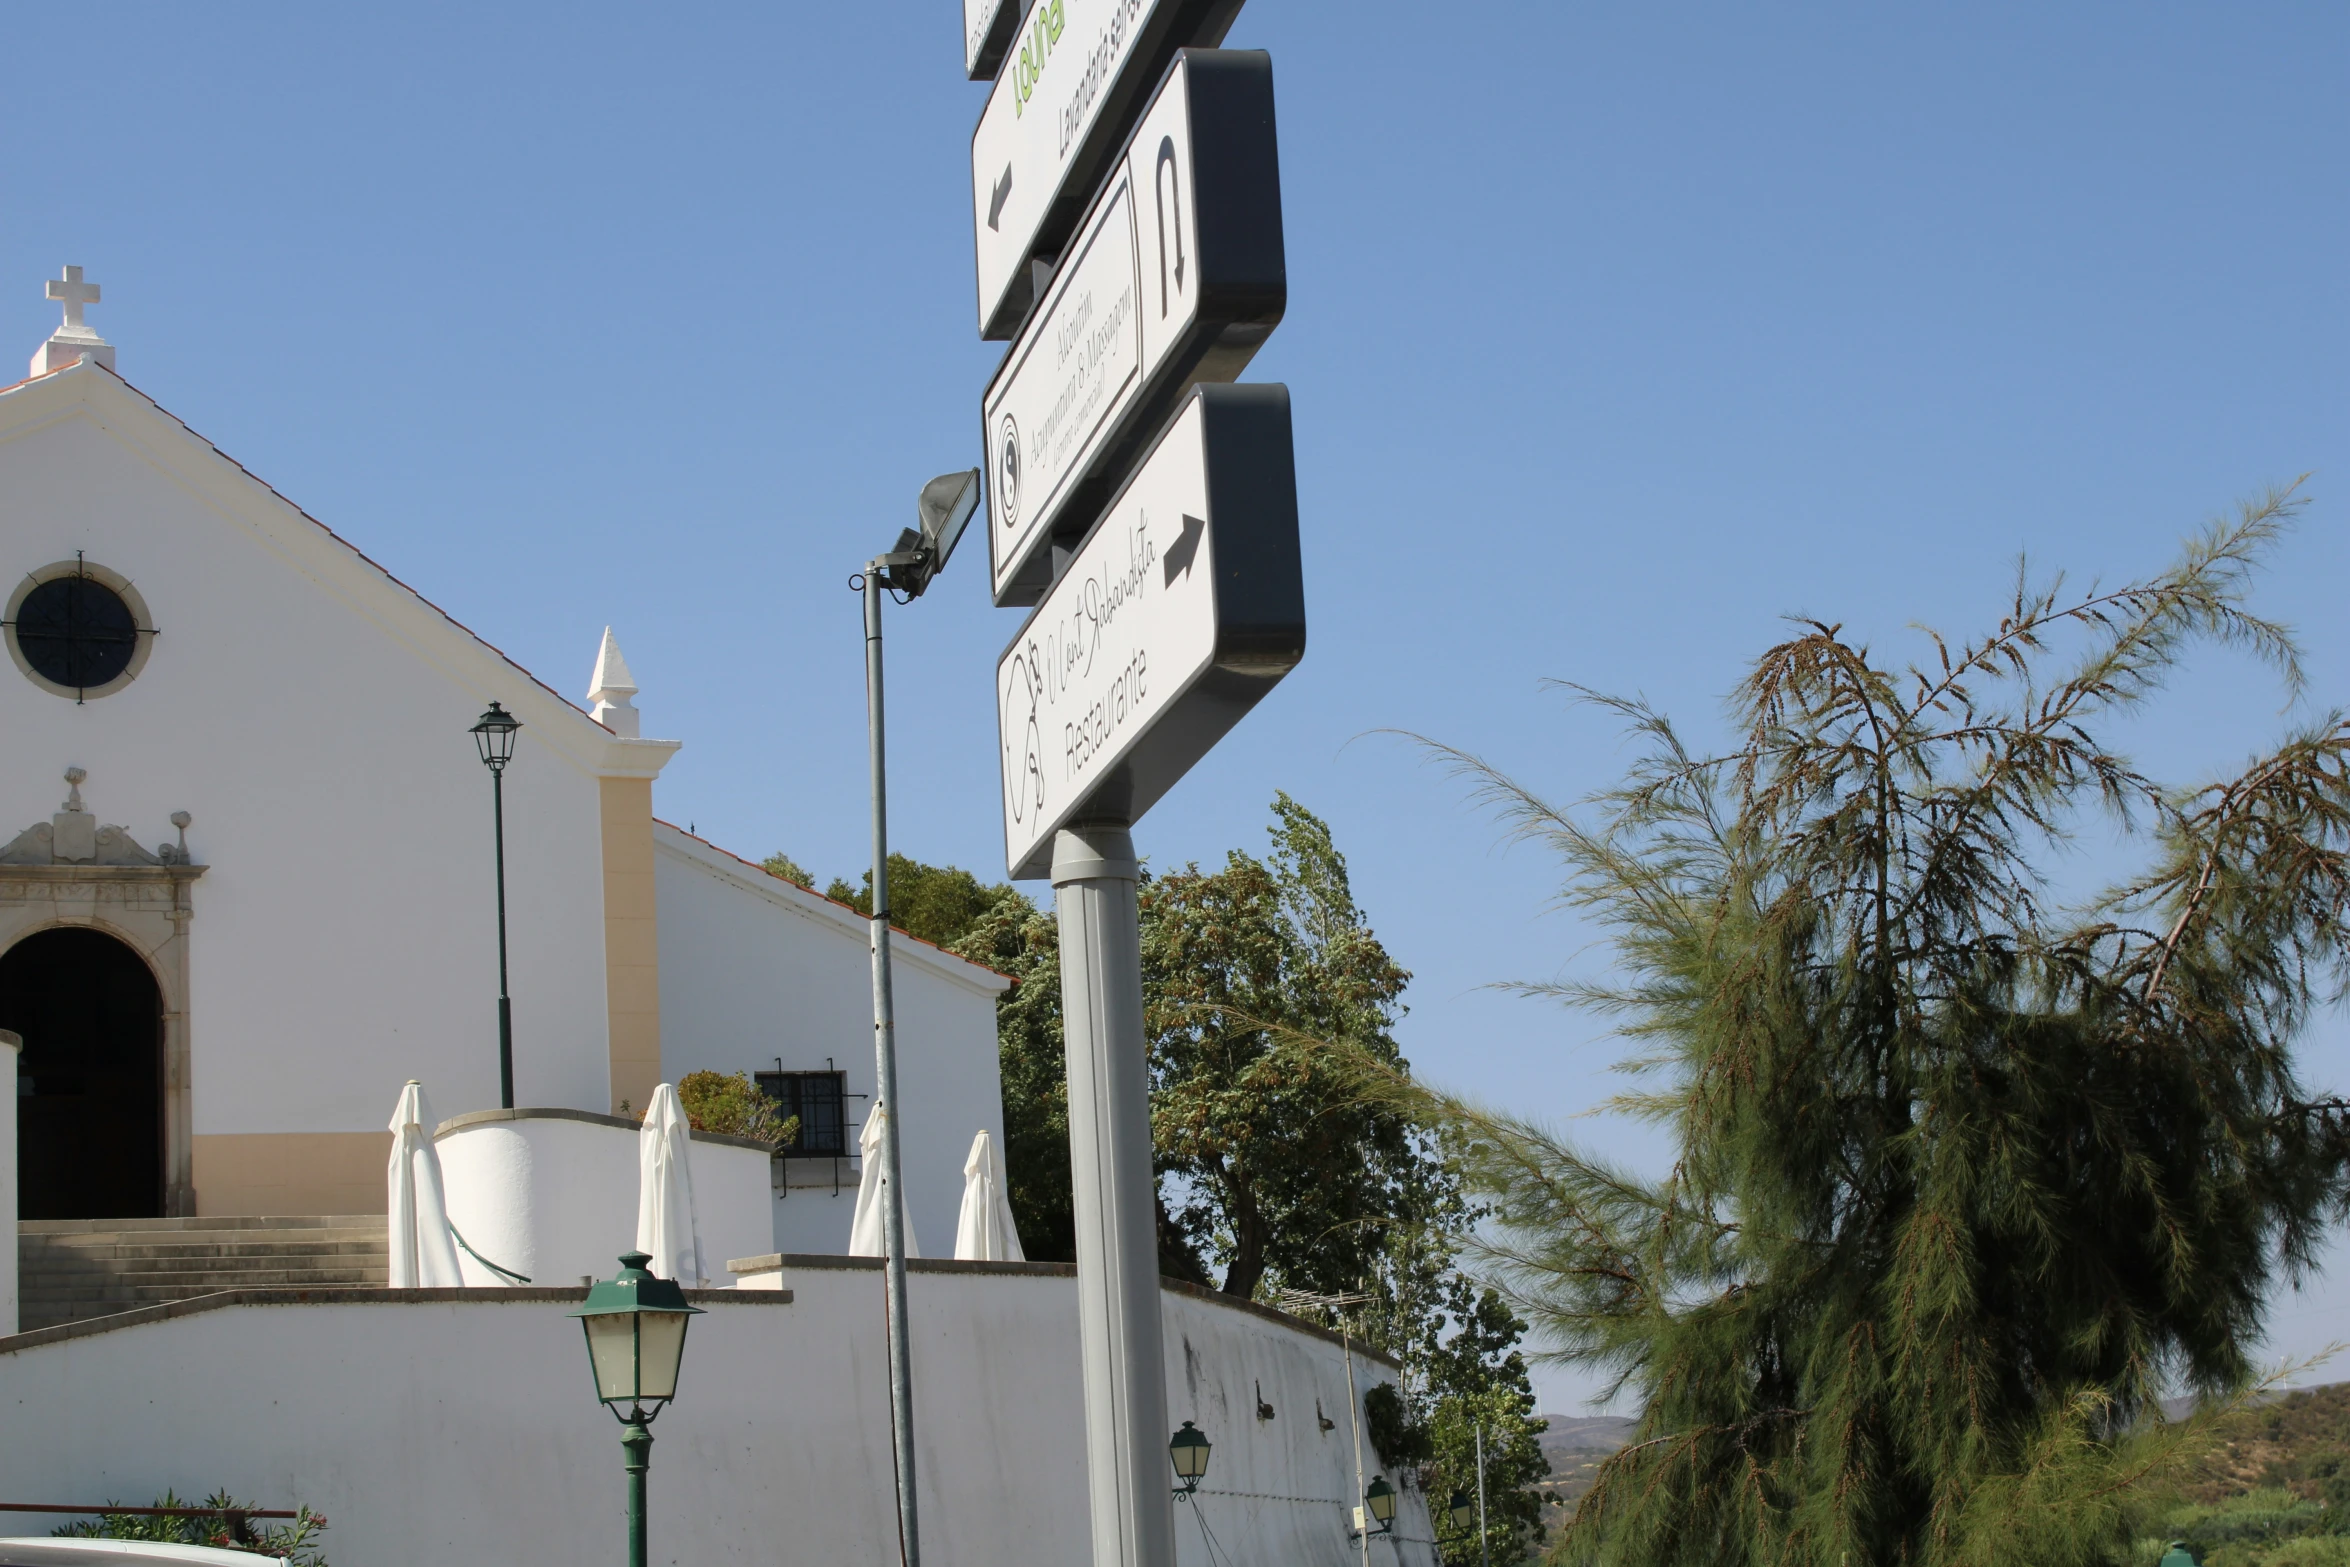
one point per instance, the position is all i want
(439, 1429)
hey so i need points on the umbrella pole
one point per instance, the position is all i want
(885, 1061)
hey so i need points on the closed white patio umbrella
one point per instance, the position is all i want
(865, 1233)
(985, 1232)
(423, 1254)
(666, 1228)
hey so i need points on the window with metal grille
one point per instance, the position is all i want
(77, 629)
(819, 1099)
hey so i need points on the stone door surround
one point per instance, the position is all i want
(72, 870)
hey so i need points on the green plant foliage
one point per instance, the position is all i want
(1310, 963)
(936, 903)
(1962, 1178)
(734, 1106)
(1474, 1375)
(782, 864)
(1262, 983)
(1015, 938)
(1400, 1441)
(297, 1541)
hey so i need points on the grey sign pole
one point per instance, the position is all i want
(885, 1072)
(1094, 874)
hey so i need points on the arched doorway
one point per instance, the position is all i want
(90, 1082)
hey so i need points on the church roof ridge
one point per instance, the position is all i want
(354, 550)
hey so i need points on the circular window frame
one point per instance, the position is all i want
(116, 583)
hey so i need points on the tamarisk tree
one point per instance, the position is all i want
(1964, 1179)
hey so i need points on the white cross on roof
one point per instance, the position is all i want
(74, 293)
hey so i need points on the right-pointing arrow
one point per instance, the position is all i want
(1181, 553)
(1003, 193)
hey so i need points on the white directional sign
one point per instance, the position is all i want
(1073, 75)
(1176, 274)
(1179, 612)
(987, 27)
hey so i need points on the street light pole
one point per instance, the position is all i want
(505, 999)
(885, 1072)
(945, 505)
(1484, 1540)
(493, 735)
(637, 1442)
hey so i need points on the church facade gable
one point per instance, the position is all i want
(307, 714)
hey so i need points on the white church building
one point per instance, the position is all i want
(246, 883)
(246, 894)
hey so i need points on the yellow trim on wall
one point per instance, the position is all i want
(632, 946)
(290, 1172)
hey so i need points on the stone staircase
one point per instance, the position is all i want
(76, 1268)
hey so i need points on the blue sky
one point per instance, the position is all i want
(1612, 338)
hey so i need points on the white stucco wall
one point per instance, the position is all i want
(467, 1432)
(312, 715)
(555, 1199)
(753, 968)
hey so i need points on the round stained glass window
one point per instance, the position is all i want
(78, 630)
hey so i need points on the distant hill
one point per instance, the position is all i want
(2299, 1440)
(1576, 1445)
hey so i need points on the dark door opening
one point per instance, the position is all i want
(89, 1085)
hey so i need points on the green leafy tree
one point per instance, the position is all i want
(937, 903)
(1961, 1177)
(1475, 1377)
(782, 864)
(1015, 938)
(1261, 983)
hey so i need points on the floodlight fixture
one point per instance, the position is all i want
(943, 508)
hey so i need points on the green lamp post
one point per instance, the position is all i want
(635, 1327)
(1379, 1499)
(1188, 1450)
(493, 736)
(2178, 1555)
(1461, 1512)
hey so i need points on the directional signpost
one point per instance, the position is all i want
(1176, 274)
(1073, 74)
(1184, 607)
(987, 28)
(1126, 214)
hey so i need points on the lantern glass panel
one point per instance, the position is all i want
(612, 1350)
(661, 1335)
(1381, 1496)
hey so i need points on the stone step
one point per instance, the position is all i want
(170, 1269)
(326, 1244)
(331, 1221)
(73, 1269)
(280, 1279)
